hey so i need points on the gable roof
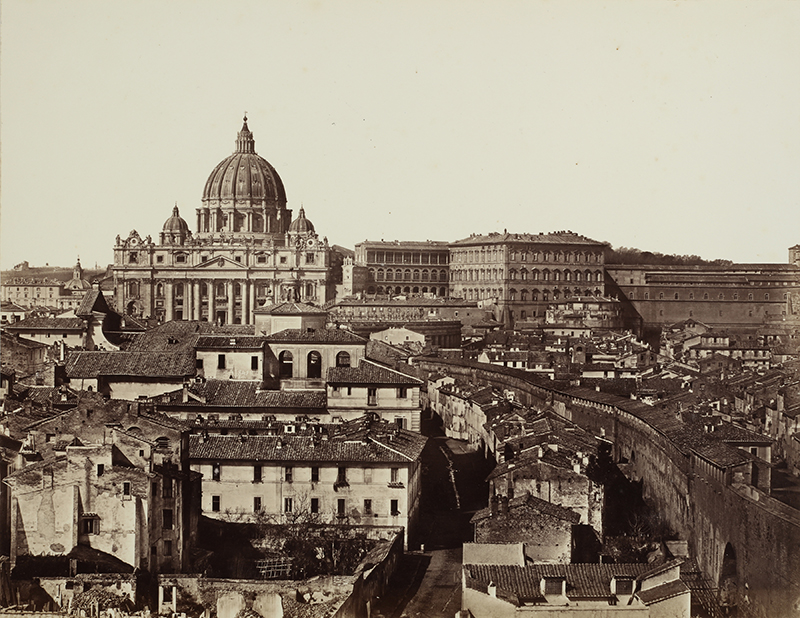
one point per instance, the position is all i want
(289, 308)
(321, 335)
(139, 364)
(369, 372)
(351, 442)
(46, 323)
(243, 394)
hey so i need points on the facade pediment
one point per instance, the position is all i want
(219, 262)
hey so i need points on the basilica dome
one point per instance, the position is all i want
(244, 176)
(301, 225)
(175, 224)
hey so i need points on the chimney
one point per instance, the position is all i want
(502, 506)
(185, 393)
(494, 505)
(492, 590)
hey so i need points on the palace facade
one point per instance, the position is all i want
(247, 251)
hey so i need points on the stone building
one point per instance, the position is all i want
(401, 267)
(522, 273)
(111, 476)
(45, 287)
(364, 472)
(246, 251)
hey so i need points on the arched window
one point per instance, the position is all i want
(443, 275)
(535, 295)
(512, 274)
(237, 289)
(546, 275)
(343, 359)
(512, 294)
(523, 274)
(416, 274)
(389, 275)
(661, 296)
(407, 274)
(676, 296)
(314, 365)
(523, 295)
(425, 274)
(133, 288)
(545, 296)
(766, 296)
(285, 361)
(178, 290)
(598, 276)
(220, 288)
(721, 296)
(567, 274)
(577, 275)
(160, 290)
(556, 275)
(705, 296)
(309, 290)
(379, 276)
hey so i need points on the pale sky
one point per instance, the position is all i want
(667, 126)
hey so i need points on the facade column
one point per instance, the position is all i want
(187, 300)
(212, 305)
(199, 219)
(169, 303)
(231, 305)
(197, 302)
(249, 220)
(252, 304)
(245, 298)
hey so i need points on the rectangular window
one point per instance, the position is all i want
(155, 489)
(367, 475)
(340, 507)
(400, 422)
(100, 469)
(288, 505)
(90, 526)
(395, 506)
(126, 489)
(402, 392)
(215, 503)
(256, 504)
(215, 472)
(166, 516)
(283, 259)
(341, 475)
(198, 363)
(254, 363)
(167, 548)
(372, 396)
(367, 506)
(220, 361)
(288, 474)
(261, 259)
(309, 258)
(167, 492)
(315, 505)
(315, 474)
(395, 475)
(159, 258)
(257, 473)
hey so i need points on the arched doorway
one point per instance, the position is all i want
(286, 363)
(314, 365)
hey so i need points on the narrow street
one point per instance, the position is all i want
(427, 583)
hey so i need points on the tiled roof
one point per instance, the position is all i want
(732, 434)
(14, 340)
(584, 581)
(559, 238)
(47, 324)
(378, 445)
(92, 301)
(368, 372)
(244, 394)
(140, 364)
(322, 335)
(290, 309)
(237, 342)
(530, 502)
(182, 334)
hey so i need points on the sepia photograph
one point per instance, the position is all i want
(378, 309)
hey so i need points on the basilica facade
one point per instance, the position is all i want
(247, 251)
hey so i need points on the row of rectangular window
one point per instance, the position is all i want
(314, 506)
(720, 296)
(288, 474)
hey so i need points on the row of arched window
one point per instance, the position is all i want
(493, 274)
(416, 274)
(408, 289)
(313, 363)
(533, 296)
(495, 255)
(706, 296)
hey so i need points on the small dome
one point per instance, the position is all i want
(301, 225)
(175, 224)
(244, 175)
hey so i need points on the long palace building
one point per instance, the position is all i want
(246, 251)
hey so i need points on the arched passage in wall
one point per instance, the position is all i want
(728, 579)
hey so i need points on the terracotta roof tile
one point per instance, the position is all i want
(322, 335)
(368, 372)
(140, 364)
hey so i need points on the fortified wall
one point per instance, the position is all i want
(744, 540)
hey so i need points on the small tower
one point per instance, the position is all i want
(794, 255)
